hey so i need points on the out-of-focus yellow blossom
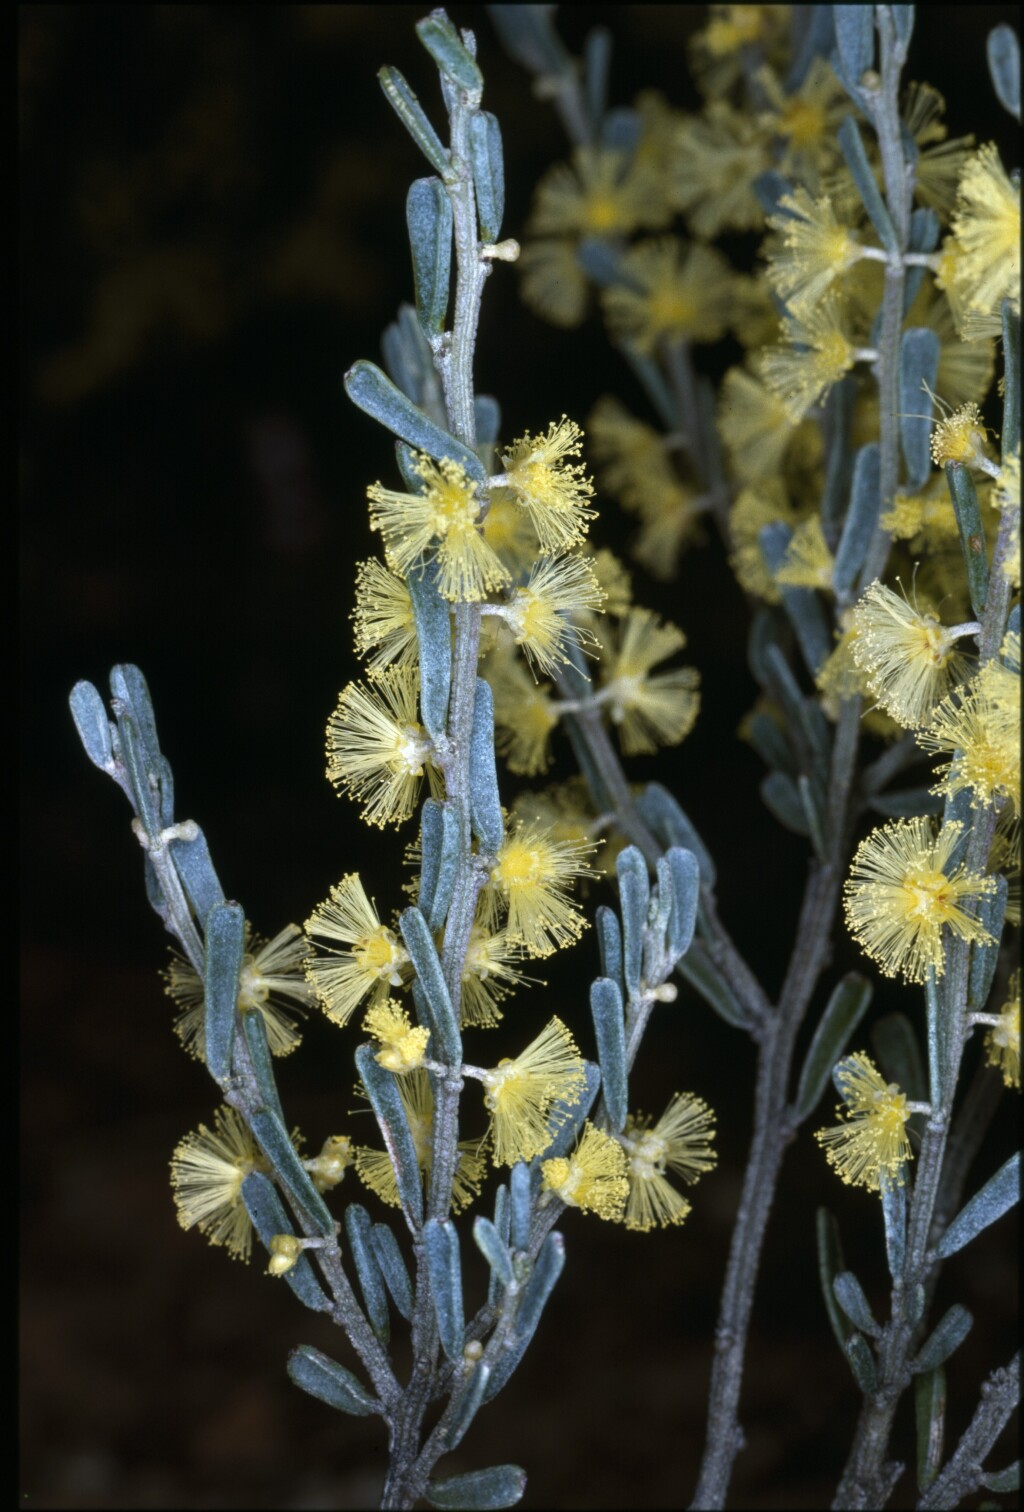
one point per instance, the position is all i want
(650, 709)
(816, 353)
(669, 293)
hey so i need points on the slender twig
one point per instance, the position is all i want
(962, 1476)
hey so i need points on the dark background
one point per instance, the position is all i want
(212, 209)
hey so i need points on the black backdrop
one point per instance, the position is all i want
(212, 231)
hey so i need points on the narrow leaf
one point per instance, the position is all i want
(392, 1268)
(830, 1265)
(324, 1378)
(634, 897)
(92, 724)
(358, 1231)
(991, 911)
(852, 146)
(479, 1490)
(930, 1416)
(468, 1404)
(520, 1188)
(194, 865)
(851, 1298)
(948, 1334)
(685, 869)
(374, 393)
(382, 1090)
(494, 1249)
(1003, 52)
(225, 943)
(609, 943)
(420, 944)
(697, 968)
(428, 216)
(996, 1197)
(268, 1216)
(254, 1033)
(894, 1218)
(919, 365)
(861, 517)
(484, 798)
(277, 1146)
(488, 165)
(434, 637)
(972, 533)
(855, 43)
(843, 1012)
(413, 117)
(441, 1251)
(781, 797)
(546, 1270)
(662, 813)
(442, 42)
(610, 1034)
(862, 1362)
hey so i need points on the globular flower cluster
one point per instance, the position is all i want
(870, 1145)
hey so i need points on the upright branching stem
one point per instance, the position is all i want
(411, 1461)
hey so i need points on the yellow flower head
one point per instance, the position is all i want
(519, 1093)
(374, 1168)
(342, 978)
(489, 975)
(872, 1141)
(668, 291)
(443, 522)
(207, 1171)
(538, 615)
(593, 1177)
(628, 451)
(377, 750)
(328, 1168)
(815, 249)
(808, 563)
(531, 877)
(524, 715)
(383, 618)
(987, 229)
(816, 355)
(983, 741)
(681, 1142)
(601, 194)
(649, 709)
(719, 154)
(805, 122)
(959, 437)
(1002, 1042)
(898, 898)
(553, 283)
(553, 492)
(271, 971)
(754, 425)
(717, 52)
(403, 1046)
(909, 658)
